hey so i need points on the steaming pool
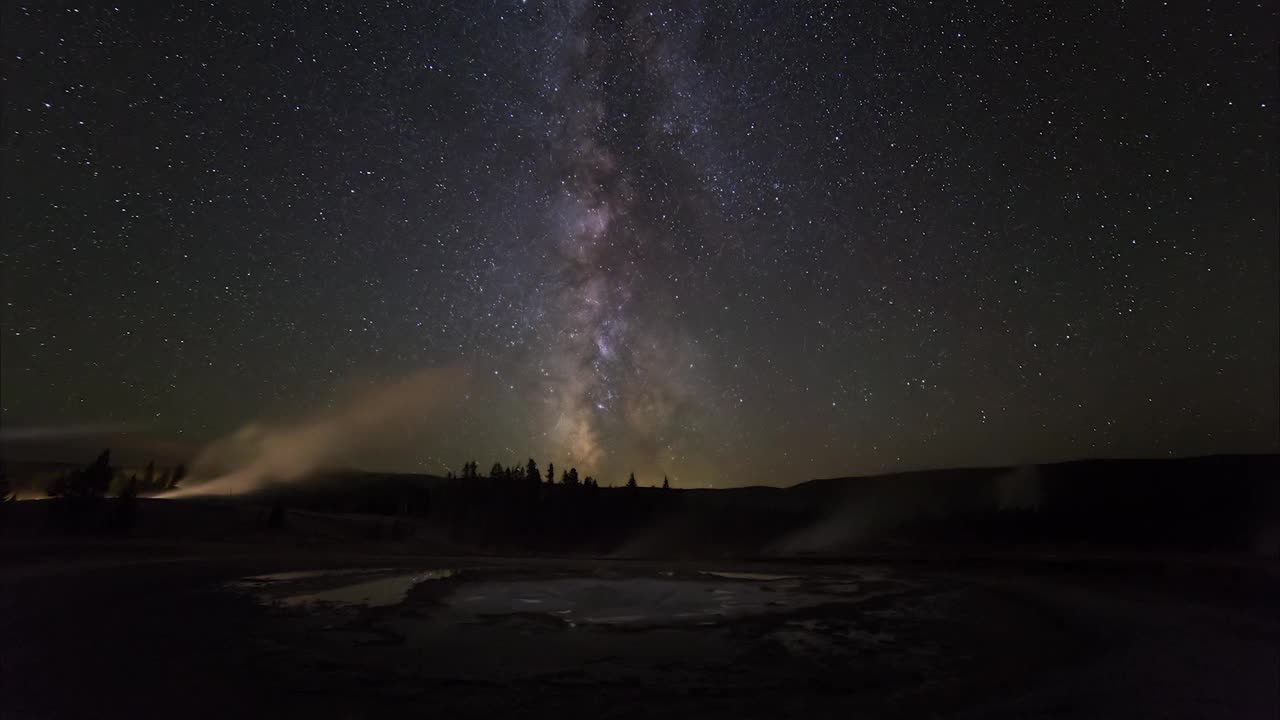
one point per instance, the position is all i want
(665, 597)
(485, 637)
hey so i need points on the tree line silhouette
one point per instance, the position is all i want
(531, 474)
(80, 494)
(1224, 501)
(521, 505)
(511, 506)
(100, 478)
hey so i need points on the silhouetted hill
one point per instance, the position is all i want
(1214, 501)
(1227, 501)
(1219, 503)
(355, 491)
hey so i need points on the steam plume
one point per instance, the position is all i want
(259, 453)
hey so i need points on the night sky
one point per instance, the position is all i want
(729, 242)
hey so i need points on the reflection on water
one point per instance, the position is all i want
(702, 597)
(307, 574)
(380, 590)
(374, 593)
(623, 601)
(764, 577)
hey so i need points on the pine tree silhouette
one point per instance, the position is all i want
(631, 481)
(97, 477)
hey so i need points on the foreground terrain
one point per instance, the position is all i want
(322, 633)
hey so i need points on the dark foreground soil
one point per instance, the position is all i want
(169, 635)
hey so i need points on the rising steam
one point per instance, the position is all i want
(260, 453)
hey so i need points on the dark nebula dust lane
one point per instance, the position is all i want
(729, 243)
(620, 154)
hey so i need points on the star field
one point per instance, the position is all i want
(732, 243)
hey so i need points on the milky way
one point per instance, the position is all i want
(726, 242)
(612, 354)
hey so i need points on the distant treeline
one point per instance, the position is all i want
(101, 478)
(1207, 503)
(531, 474)
(512, 506)
(1224, 502)
(80, 495)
